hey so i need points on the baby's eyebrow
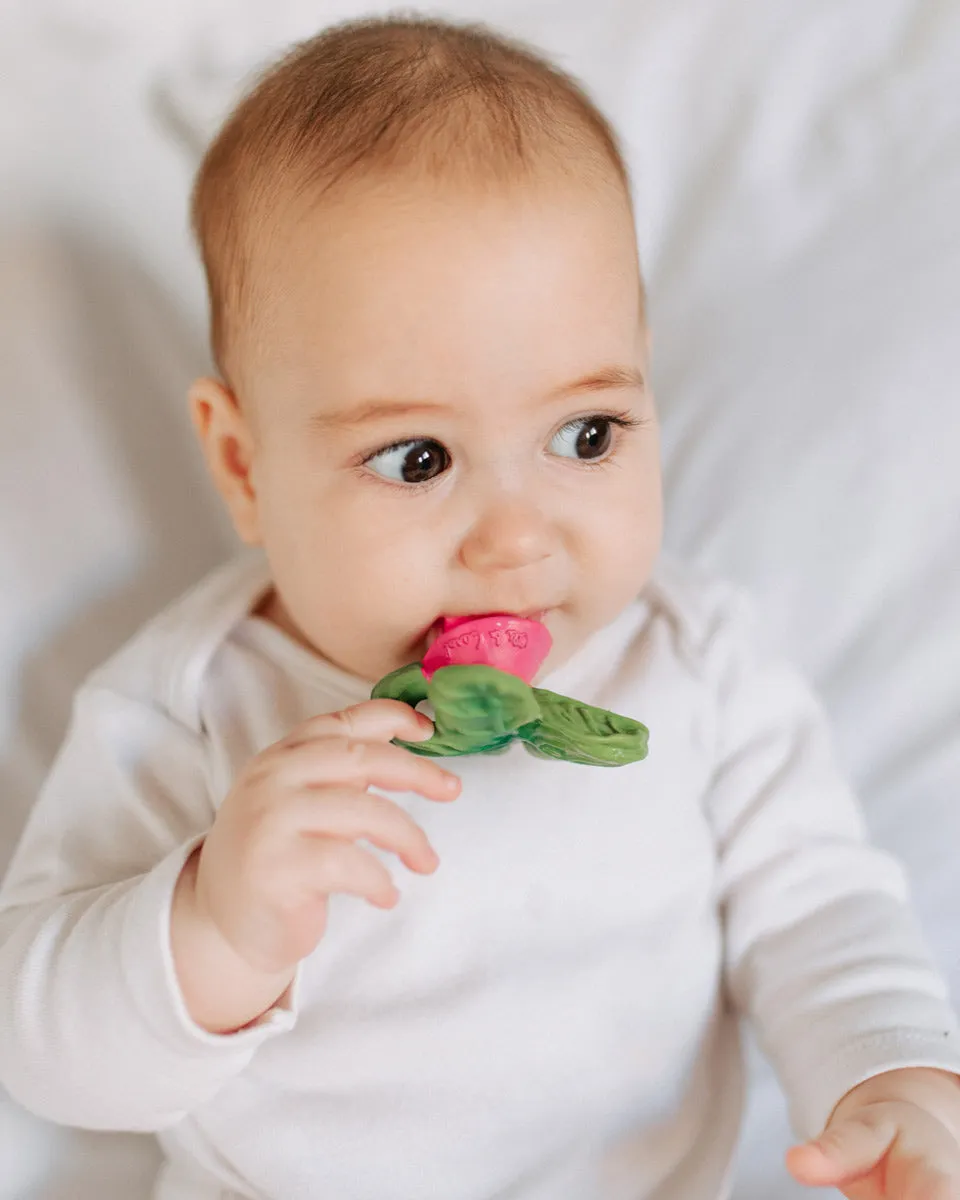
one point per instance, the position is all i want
(606, 379)
(370, 411)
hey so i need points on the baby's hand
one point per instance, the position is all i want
(896, 1137)
(253, 901)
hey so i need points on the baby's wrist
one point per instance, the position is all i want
(221, 990)
(929, 1088)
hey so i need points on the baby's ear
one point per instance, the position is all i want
(228, 447)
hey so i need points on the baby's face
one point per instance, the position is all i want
(450, 413)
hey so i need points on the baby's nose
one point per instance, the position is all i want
(509, 535)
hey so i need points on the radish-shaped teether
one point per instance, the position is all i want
(477, 677)
(513, 644)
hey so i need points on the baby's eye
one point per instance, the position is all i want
(584, 438)
(411, 462)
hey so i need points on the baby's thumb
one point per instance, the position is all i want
(846, 1150)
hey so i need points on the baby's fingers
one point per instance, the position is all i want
(884, 1151)
(846, 1151)
(926, 1183)
(342, 813)
(326, 761)
(924, 1163)
(368, 721)
(329, 866)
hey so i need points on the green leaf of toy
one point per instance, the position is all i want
(407, 684)
(479, 708)
(580, 733)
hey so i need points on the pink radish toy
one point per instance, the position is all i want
(477, 674)
(514, 644)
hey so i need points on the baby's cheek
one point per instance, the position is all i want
(618, 558)
(391, 581)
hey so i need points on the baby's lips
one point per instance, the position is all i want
(517, 645)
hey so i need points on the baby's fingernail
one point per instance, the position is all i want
(424, 725)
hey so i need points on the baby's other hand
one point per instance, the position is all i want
(895, 1137)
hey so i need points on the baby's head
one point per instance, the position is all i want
(428, 319)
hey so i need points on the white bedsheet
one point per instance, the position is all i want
(798, 184)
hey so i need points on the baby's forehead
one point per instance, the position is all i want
(341, 217)
(417, 291)
(389, 239)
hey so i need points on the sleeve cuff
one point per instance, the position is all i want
(148, 971)
(866, 1057)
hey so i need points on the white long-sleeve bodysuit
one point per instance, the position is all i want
(552, 1015)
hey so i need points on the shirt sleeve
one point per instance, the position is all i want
(822, 950)
(93, 1028)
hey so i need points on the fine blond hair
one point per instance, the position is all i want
(403, 93)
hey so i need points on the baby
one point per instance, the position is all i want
(433, 401)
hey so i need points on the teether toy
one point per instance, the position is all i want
(477, 676)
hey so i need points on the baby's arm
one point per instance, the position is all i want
(822, 949)
(93, 1031)
(144, 937)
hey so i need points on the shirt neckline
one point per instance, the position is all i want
(307, 665)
